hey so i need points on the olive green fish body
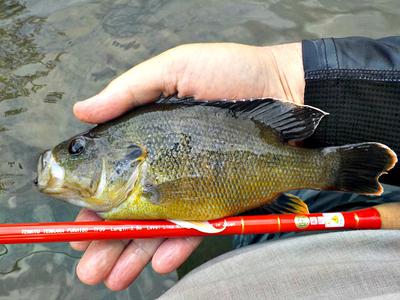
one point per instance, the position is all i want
(188, 160)
(204, 163)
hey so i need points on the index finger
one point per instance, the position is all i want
(84, 215)
(140, 85)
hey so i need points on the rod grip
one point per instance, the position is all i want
(390, 215)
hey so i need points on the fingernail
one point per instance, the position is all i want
(84, 274)
(84, 102)
(80, 107)
(79, 246)
(90, 100)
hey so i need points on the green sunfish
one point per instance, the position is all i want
(193, 160)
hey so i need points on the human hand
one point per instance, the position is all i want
(205, 71)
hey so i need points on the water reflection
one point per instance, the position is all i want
(10, 8)
(30, 49)
(53, 53)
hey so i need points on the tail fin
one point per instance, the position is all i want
(360, 166)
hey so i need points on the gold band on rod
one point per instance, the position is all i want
(357, 218)
(279, 223)
(242, 222)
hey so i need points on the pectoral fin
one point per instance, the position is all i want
(151, 193)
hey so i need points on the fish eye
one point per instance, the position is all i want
(77, 146)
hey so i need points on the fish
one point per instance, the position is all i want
(193, 160)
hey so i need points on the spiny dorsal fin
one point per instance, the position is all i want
(289, 120)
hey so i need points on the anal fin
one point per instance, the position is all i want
(290, 204)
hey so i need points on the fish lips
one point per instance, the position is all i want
(50, 174)
(51, 181)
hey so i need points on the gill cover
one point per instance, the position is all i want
(118, 178)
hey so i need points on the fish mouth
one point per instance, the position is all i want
(51, 180)
(50, 174)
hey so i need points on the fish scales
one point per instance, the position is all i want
(236, 165)
(189, 160)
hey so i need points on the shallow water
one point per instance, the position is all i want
(53, 53)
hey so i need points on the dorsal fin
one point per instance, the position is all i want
(289, 120)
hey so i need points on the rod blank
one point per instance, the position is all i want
(369, 218)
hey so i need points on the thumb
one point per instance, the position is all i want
(141, 84)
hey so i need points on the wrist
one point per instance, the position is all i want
(285, 69)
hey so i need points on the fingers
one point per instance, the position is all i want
(98, 260)
(167, 256)
(118, 263)
(84, 215)
(110, 261)
(173, 252)
(139, 85)
(131, 263)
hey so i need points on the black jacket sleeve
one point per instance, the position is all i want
(357, 81)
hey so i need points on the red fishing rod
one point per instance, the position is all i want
(385, 216)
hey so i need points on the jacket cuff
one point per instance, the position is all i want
(351, 53)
